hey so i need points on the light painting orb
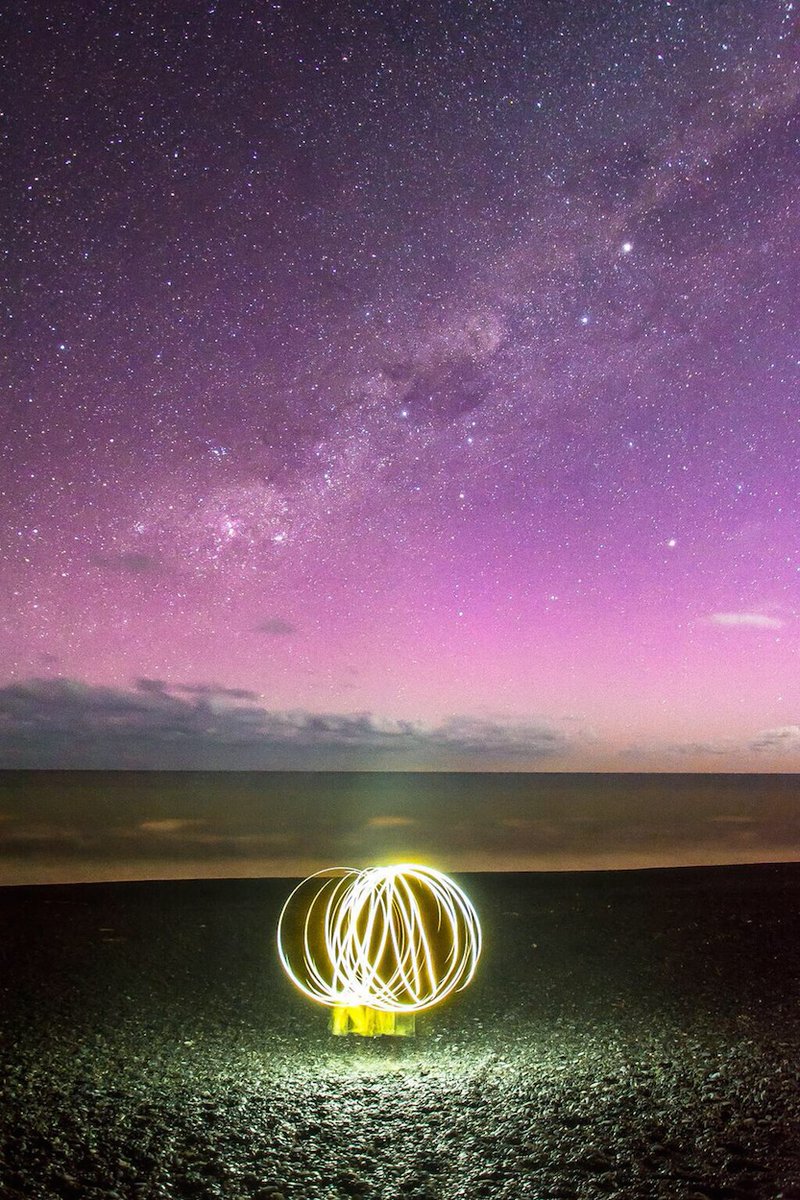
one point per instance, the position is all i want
(394, 940)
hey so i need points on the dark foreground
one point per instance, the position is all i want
(630, 1035)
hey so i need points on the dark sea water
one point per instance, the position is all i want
(629, 1034)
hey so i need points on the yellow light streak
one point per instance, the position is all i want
(384, 940)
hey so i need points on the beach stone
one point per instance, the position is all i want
(594, 1160)
(66, 1185)
(353, 1184)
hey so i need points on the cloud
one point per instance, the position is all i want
(130, 562)
(783, 740)
(156, 686)
(162, 687)
(212, 689)
(51, 723)
(737, 752)
(746, 620)
(699, 749)
(490, 737)
(277, 627)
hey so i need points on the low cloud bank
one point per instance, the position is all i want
(46, 723)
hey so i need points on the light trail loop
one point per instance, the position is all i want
(395, 939)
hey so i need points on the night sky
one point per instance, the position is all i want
(402, 385)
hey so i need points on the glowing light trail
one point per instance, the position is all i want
(381, 944)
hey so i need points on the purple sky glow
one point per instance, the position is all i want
(403, 388)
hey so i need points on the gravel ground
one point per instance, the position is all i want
(629, 1035)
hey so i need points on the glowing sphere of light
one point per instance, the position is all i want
(397, 939)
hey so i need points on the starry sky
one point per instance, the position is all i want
(402, 386)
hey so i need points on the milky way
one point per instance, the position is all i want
(434, 363)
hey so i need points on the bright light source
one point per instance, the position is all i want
(378, 945)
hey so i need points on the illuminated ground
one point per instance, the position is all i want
(628, 1036)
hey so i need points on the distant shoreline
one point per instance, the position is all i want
(582, 875)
